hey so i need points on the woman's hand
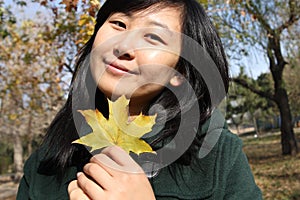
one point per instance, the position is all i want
(112, 174)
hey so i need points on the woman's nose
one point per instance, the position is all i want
(123, 53)
(124, 48)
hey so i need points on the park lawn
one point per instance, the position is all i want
(278, 176)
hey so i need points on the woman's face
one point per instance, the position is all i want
(135, 55)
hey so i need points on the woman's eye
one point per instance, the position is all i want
(119, 24)
(154, 37)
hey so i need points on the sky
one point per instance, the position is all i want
(29, 11)
(255, 64)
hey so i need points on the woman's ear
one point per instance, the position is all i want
(176, 80)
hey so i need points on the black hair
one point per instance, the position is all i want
(84, 94)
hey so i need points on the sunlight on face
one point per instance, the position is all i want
(136, 55)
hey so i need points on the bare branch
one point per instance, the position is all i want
(69, 68)
(293, 18)
(253, 89)
(242, 32)
(253, 9)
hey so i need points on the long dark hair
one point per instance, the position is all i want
(84, 95)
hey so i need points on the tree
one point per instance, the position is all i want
(237, 104)
(243, 105)
(264, 26)
(36, 62)
(30, 87)
(73, 23)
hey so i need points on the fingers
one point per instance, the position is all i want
(107, 177)
(114, 159)
(92, 189)
(118, 155)
(99, 175)
(105, 161)
(75, 192)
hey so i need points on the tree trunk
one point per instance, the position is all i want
(29, 134)
(288, 139)
(277, 64)
(237, 129)
(18, 156)
(255, 126)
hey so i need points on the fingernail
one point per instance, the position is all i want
(79, 174)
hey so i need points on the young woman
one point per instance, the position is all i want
(166, 57)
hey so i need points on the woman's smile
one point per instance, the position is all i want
(117, 69)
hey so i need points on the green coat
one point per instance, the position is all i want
(223, 173)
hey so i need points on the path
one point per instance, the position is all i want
(8, 188)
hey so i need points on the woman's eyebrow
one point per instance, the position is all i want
(159, 24)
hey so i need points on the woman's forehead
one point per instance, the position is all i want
(155, 8)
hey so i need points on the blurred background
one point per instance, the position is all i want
(39, 40)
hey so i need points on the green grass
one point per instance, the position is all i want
(278, 176)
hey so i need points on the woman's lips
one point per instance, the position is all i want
(117, 69)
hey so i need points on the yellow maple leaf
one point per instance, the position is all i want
(117, 129)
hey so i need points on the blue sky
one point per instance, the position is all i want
(29, 11)
(255, 64)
